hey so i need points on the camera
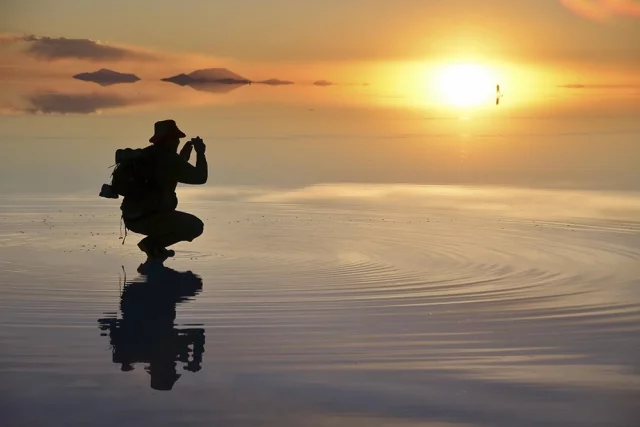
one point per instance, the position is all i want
(198, 144)
(107, 192)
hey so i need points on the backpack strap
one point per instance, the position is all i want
(125, 229)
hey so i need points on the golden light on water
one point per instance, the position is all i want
(461, 85)
(464, 85)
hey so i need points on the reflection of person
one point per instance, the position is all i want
(155, 216)
(146, 332)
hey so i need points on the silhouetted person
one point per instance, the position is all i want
(154, 215)
(147, 334)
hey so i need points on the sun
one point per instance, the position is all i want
(465, 85)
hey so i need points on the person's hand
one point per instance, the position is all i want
(185, 153)
(198, 145)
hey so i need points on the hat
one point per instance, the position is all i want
(163, 380)
(164, 129)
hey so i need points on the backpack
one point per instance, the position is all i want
(134, 173)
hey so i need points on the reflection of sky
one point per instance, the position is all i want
(18, 96)
(302, 135)
(392, 310)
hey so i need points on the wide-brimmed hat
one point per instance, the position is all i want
(163, 381)
(165, 129)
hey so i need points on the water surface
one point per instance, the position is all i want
(444, 307)
(364, 262)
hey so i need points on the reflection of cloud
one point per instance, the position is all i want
(276, 82)
(573, 86)
(54, 48)
(603, 9)
(74, 103)
(519, 202)
(219, 88)
(71, 96)
(595, 86)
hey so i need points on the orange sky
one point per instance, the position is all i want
(398, 47)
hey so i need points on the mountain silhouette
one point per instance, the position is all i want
(208, 75)
(105, 77)
(276, 82)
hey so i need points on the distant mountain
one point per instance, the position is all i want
(208, 75)
(180, 79)
(276, 82)
(107, 77)
(216, 74)
(573, 86)
(323, 83)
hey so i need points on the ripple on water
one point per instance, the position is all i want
(295, 290)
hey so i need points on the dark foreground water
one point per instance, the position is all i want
(329, 306)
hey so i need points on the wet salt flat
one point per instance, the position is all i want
(327, 306)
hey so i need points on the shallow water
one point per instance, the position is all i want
(325, 306)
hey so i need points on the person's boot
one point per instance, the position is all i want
(149, 250)
(167, 253)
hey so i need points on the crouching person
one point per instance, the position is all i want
(153, 213)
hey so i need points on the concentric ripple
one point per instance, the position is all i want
(358, 295)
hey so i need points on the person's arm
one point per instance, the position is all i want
(195, 175)
(185, 153)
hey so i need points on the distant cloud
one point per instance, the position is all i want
(74, 103)
(603, 9)
(56, 48)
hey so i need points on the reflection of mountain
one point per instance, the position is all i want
(146, 332)
(276, 82)
(74, 103)
(218, 88)
(106, 77)
(323, 83)
(209, 75)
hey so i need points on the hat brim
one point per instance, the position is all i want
(176, 133)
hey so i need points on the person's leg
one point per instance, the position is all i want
(166, 229)
(179, 227)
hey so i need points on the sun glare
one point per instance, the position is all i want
(465, 85)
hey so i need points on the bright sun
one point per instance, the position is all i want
(465, 85)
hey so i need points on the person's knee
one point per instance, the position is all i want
(196, 228)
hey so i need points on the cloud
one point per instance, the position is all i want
(74, 103)
(602, 10)
(21, 57)
(58, 48)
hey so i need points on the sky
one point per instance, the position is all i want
(265, 37)
(414, 98)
